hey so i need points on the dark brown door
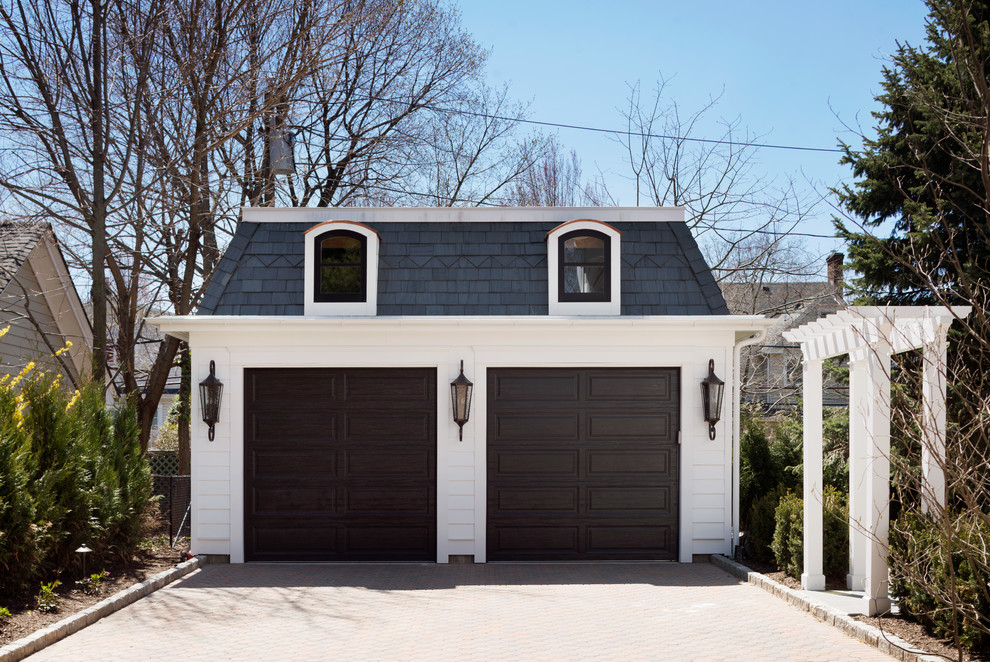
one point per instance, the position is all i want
(582, 463)
(340, 464)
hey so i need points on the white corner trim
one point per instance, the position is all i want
(368, 307)
(611, 307)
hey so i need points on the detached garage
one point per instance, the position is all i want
(585, 332)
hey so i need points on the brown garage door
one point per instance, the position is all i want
(340, 464)
(582, 464)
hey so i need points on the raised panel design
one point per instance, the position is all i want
(388, 540)
(537, 427)
(371, 463)
(602, 499)
(538, 538)
(629, 462)
(388, 500)
(627, 538)
(373, 426)
(388, 386)
(526, 386)
(312, 539)
(629, 426)
(556, 463)
(293, 465)
(296, 500)
(540, 499)
(630, 386)
(313, 388)
(281, 427)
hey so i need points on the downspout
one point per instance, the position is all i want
(737, 431)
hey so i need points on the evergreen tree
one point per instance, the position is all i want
(920, 233)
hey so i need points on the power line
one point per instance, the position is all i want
(594, 129)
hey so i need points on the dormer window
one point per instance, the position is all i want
(584, 266)
(583, 261)
(342, 269)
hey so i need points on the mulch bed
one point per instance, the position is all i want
(908, 630)
(25, 617)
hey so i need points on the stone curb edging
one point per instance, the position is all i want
(868, 634)
(34, 642)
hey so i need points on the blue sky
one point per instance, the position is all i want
(794, 71)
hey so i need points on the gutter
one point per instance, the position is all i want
(757, 337)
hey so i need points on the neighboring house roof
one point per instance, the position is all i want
(39, 301)
(17, 240)
(463, 268)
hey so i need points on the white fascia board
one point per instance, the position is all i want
(180, 326)
(373, 215)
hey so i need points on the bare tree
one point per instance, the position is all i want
(554, 181)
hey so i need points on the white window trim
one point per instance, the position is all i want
(369, 306)
(614, 304)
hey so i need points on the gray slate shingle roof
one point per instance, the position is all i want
(17, 240)
(467, 268)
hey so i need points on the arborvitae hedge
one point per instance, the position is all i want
(71, 473)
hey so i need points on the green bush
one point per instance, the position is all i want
(788, 536)
(761, 525)
(925, 555)
(71, 472)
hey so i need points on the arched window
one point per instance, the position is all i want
(341, 267)
(585, 266)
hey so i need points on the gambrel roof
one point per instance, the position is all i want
(462, 267)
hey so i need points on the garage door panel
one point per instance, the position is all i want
(627, 499)
(384, 500)
(538, 540)
(288, 427)
(538, 499)
(630, 386)
(388, 388)
(296, 500)
(374, 425)
(365, 494)
(532, 463)
(540, 427)
(605, 489)
(622, 540)
(315, 387)
(558, 387)
(609, 462)
(293, 465)
(362, 464)
(389, 540)
(622, 426)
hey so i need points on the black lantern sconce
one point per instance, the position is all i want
(210, 393)
(711, 398)
(460, 397)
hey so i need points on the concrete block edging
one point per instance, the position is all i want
(34, 642)
(868, 634)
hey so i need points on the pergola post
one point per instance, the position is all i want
(859, 396)
(813, 577)
(933, 419)
(877, 430)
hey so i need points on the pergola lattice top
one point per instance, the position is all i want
(857, 328)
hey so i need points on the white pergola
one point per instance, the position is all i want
(870, 335)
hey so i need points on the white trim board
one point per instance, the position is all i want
(372, 215)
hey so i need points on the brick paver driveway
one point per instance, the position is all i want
(607, 611)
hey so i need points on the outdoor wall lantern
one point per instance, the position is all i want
(460, 397)
(210, 392)
(711, 398)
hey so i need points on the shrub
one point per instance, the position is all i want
(761, 525)
(72, 472)
(940, 569)
(788, 536)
